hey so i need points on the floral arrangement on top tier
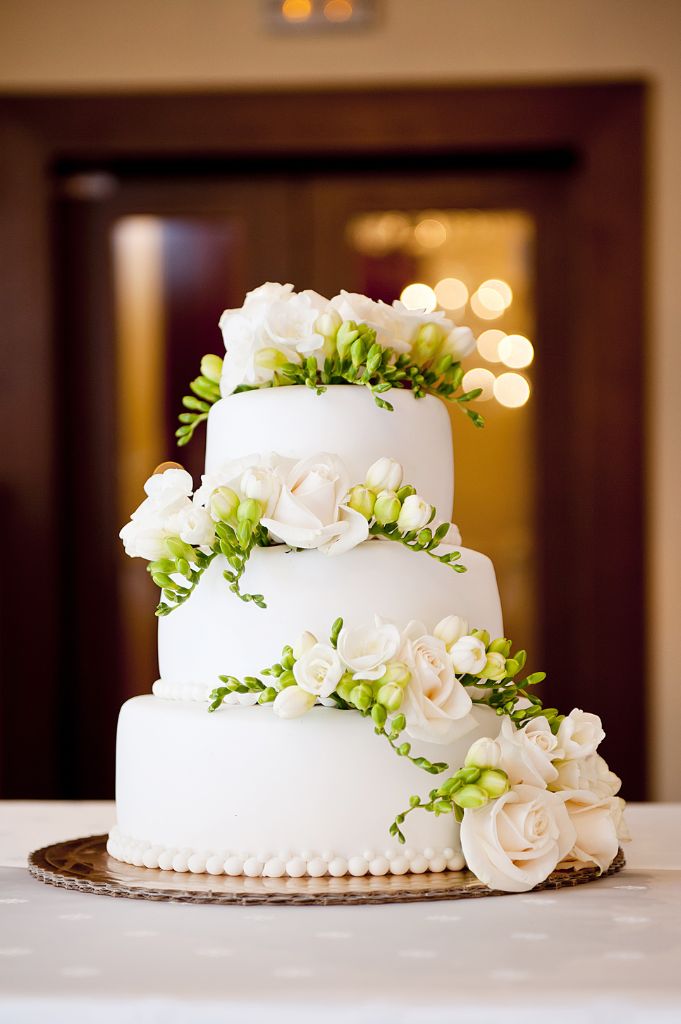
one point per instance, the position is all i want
(536, 797)
(261, 500)
(281, 337)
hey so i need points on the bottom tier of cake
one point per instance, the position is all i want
(244, 792)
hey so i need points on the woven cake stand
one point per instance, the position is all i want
(84, 865)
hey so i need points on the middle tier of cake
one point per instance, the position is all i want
(214, 633)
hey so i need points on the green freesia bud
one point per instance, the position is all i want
(249, 510)
(379, 715)
(501, 646)
(223, 504)
(406, 492)
(485, 753)
(387, 508)
(211, 367)
(270, 359)
(347, 334)
(179, 549)
(398, 723)
(345, 687)
(396, 674)
(390, 696)
(495, 667)
(482, 635)
(494, 782)
(286, 678)
(327, 324)
(427, 344)
(362, 500)
(358, 351)
(362, 696)
(470, 797)
(244, 529)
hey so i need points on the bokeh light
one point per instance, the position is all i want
(479, 377)
(338, 10)
(487, 304)
(503, 290)
(488, 344)
(430, 233)
(296, 10)
(516, 351)
(511, 390)
(419, 296)
(451, 293)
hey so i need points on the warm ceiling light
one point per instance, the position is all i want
(488, 344)
(296, 10)
(430, 233)
(338, 10)
(511, 390)
(419, 296)
(501, 288)
(479, 377)
(451, 293)
(516, 351)
(487, 304)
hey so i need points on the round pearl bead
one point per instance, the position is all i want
(215, 865)
(338, 867)
(296, 867)
(379, 866)
(234, 866)
(358, 866)
(253, 867)
(274, 868)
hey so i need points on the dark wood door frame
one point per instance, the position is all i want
(594, 500)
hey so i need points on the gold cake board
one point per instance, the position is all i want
(84, 865)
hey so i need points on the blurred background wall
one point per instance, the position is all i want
(222, 44)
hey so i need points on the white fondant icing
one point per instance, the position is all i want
(214, 633)
(296, 422)
(218, 792)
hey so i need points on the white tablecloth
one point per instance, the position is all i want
(606, 952)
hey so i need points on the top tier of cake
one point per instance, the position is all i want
(296, 422)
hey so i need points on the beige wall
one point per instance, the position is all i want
(48, 44)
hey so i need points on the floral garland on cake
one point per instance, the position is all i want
(536, 797)
(262, 500)
(281, 337)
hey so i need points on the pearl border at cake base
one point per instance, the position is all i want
(85, 866)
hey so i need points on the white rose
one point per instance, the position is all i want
(590, 773)
(527, 754)
(414, 514)
(318, 670)
(450, 629)
(365, 650)
(292, 702)
(515, 842)
(256, 470)
(436, 705)
(595, 820)
(262, 483)
(468, 655)
(579, 734)
(484, 753)
(384, 475)
(193, 525)
(290, 322)
(459, 343)
(310, 513)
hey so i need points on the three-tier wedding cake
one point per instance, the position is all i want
(336, 695)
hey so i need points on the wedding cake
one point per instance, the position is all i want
(336, 695)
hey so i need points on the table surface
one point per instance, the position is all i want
(608, 951)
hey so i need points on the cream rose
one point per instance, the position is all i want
(591, 773)
(515, 842)
(310, 510)
(527, 754)
(318, 670)
(579, 734)
(436, 705)
(596, 826)
(366, 650)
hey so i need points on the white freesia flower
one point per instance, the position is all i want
(484, 753)
(527, 754)
(156, 518)
(310, 512)
(290, 322)
(591, 773)
(414, 514)
(193, 525)
(384, 475)
(305, 641)
(318, 670)
(254, 471)
(366, 650)
(292, 702)
(468, 655)
(396, 326)
(579, 734)
(406, 324)
(459, 343)
(450, 629)
(515, 842)
(596, 821)
(262, 483)
(436, 705)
